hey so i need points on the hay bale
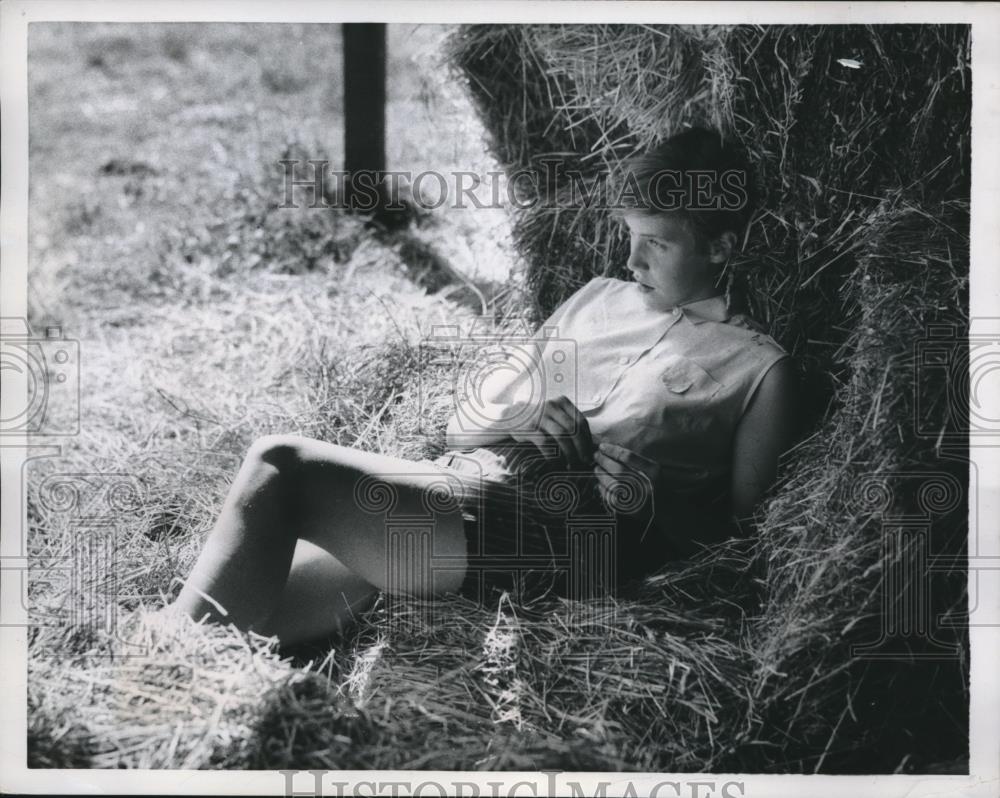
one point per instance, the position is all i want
(860, 243)
(827, 544)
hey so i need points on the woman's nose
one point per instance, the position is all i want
(635, 260)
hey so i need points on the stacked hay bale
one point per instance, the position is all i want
(861, 140)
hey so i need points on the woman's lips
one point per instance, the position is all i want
(642, 286)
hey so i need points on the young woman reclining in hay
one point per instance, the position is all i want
(681, 411)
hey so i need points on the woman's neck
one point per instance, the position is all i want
(697, 296)
(676, 296)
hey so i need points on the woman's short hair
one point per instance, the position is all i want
(696, 174)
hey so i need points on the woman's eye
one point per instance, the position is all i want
(657, 244)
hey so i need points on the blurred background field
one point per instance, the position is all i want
(205, 312)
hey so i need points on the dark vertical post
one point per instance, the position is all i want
(364, 110)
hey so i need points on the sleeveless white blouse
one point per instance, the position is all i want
(669, 385)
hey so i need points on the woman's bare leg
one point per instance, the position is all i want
(337, 499)
(321, 597)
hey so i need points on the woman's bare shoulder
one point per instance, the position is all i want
(755, 334)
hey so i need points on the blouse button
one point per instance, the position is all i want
(597, 397)
(624, 359)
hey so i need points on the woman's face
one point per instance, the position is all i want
(666, 261)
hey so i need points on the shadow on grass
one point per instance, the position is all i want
(308, 724)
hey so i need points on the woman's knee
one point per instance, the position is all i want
(302, 464)
(283, 452)
(286, 450)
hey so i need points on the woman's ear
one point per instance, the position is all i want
(722, 246)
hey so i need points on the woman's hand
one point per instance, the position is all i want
(626, 481)
(564, 425)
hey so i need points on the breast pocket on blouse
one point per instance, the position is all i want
(686, 380)
(674, 406)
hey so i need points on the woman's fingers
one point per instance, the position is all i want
(621, 454)
(563, 425)
(609, 486)
(626, 459)
(620, 495)
(619, 468)
(607, 472)
(557, 434)
(568, 422)
(581, 435)
(605, 482)
(609, 464)
(542, 440)
(556, 421)
(549, 439)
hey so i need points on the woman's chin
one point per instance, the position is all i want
(650, 296)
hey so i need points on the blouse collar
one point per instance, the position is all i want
(713, 308)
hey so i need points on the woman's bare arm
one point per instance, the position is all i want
(462, 437)
(765, 432)
(554, 421)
